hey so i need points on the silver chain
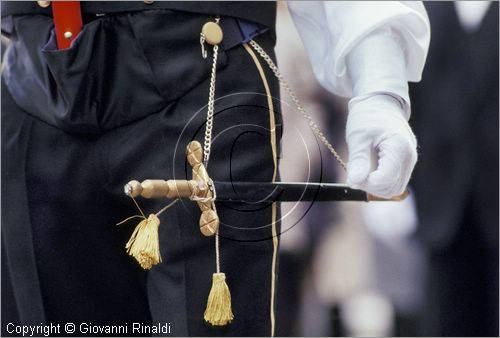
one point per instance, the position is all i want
(314, 127)
(210, 111)
(211, 104)
(207, 145)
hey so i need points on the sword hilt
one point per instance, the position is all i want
(197, 189)
(168, 189)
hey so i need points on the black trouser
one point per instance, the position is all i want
(122, 104)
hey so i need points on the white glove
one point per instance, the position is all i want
(368, 50)
(377, 125)
(378, 113)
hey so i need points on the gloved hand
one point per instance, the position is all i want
(376, 124)
(378, 114)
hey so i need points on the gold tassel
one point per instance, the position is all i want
(219, 312)
(144, 245)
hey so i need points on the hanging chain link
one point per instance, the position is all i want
(210, 111)
(314, 127)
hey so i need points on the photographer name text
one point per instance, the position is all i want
(87, 329)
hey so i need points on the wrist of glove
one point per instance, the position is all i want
(377, 128)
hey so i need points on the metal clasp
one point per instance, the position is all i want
(202, 43)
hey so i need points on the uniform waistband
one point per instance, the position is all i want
(262, 12)
(120, 68)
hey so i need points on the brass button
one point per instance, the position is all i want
(212, 32)
(148, 2)
(43, 4)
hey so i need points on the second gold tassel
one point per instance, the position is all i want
(219, 312)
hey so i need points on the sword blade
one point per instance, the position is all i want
(255, 192)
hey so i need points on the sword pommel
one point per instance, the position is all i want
(133, 188)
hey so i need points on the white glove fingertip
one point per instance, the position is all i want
(383, 185)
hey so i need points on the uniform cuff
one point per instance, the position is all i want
(376, 65)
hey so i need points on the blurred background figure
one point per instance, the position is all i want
(327, 282)
(303, 224)
(455, 117)
(425, 267)
(399, 261)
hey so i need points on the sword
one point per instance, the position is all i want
(205, 192)
(254, 192)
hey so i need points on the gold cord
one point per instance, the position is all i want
(138, 207)
(272, 128)
(129, 218)
(168, 206)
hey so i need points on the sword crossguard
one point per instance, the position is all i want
(199, 189)
(205, 196)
